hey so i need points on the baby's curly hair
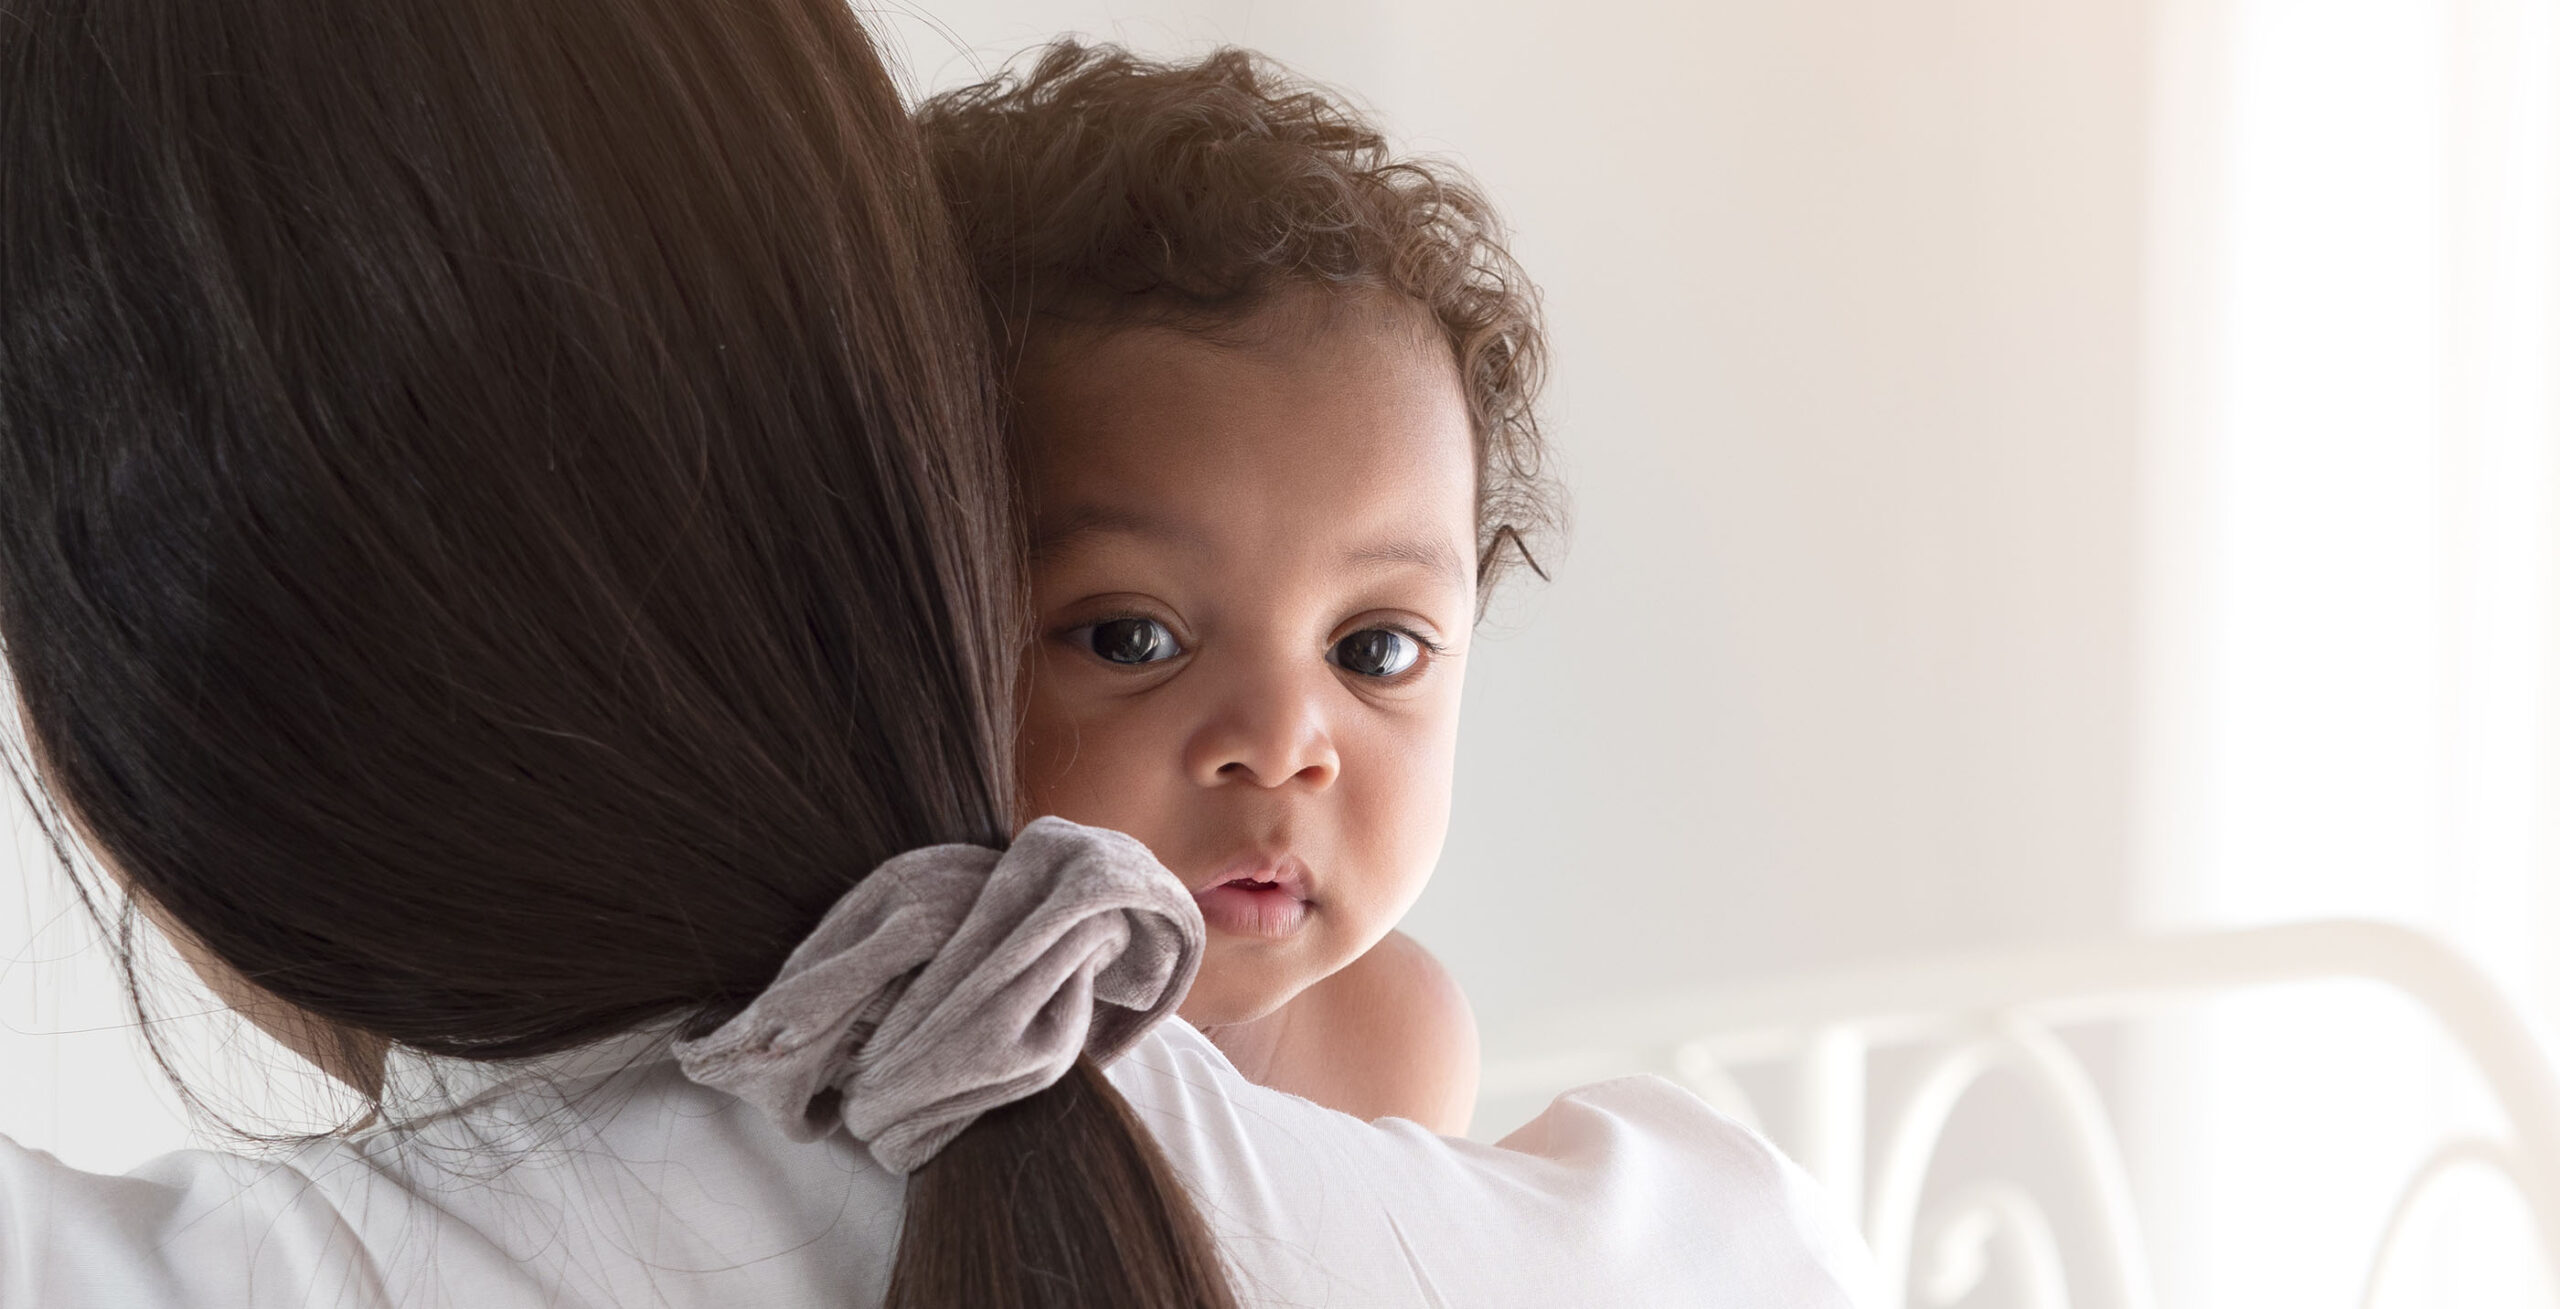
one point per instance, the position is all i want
(1094, 186)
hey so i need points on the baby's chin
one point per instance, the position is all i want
(1232, 990)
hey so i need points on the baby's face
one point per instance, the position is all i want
(1254, 576)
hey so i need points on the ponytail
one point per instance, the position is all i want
(501, 519)
(1059, 1201)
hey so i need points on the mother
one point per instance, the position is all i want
(500, 528)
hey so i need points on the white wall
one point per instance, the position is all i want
(1845, 294)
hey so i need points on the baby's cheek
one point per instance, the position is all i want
(1089, 769)
(1399, 816)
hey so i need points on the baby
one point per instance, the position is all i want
(1272, 400)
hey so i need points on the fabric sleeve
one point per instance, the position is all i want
(185, 1230)
(1631, 1192)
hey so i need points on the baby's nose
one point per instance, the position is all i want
(1270, 740)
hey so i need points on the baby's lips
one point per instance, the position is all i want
(1243, 907)
(1283, 873)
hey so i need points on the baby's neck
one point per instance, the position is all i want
(1255, 1045)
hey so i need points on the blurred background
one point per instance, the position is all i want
(2046, 471)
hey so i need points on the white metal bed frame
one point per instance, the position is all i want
(1970, 1015)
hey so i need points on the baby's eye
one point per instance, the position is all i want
(1132, 641)
(1377, 652)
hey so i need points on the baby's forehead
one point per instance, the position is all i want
(1354, 387)
(1281, 322)
(1346, 439)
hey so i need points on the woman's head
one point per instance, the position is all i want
(500, 522)
(462, 556)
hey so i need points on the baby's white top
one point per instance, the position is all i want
(567, 1184)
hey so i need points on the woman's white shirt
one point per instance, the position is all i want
(565, 1184)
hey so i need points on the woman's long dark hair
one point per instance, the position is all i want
(501, 524)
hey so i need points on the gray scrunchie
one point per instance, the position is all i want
(954, 979)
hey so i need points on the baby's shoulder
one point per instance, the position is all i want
(1397, 993)
(1390, 1035)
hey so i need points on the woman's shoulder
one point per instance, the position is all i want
(192, 1227)
(643, 1188)
(1624, 1193)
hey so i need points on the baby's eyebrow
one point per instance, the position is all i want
(1057, 532)
(1424, 551)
